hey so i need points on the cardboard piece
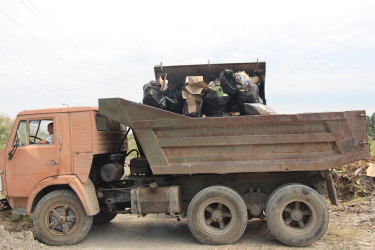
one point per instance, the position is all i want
(371, 170)
(193, 93)
(163, 82)
(255, 79)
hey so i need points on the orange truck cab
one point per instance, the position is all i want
(31, 170)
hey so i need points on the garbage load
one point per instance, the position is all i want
(157, 94)
(215, 101)
(193, 93)
(258, 109)
(153, 95)
(229, 93)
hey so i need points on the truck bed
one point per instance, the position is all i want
(176, 144)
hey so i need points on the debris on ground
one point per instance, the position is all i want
(18, 240)
(353, 181)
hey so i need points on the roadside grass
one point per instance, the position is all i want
(24, 218)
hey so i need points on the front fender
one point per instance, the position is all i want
(85, 192)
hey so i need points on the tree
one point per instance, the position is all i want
(371, 125)
(6, 124)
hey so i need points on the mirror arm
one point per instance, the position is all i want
(12, 152)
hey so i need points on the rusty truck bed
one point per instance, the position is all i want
(176, 144)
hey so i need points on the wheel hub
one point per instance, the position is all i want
(217, 215)
(296, 215)
(61, 219)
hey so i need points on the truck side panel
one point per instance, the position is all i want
(82, 144)
(174, 144)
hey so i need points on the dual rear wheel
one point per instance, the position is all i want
(296, 215)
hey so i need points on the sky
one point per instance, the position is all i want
(320, 55)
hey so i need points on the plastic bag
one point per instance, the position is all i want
(192, 114)
(242, 77)
(258, 109)
(153, 96)
(174, 100)
(230, 84)
(250, 94)
(215, 102)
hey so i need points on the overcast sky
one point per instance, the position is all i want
(320, 55)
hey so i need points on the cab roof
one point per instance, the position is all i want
(57, 110)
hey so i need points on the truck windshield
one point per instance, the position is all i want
(20, 139)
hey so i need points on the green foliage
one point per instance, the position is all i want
(371, 125)
(6, 124)
(132, 145)
(16, 217)
(372, 144)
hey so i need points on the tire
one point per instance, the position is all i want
(217, 215)
(60, 219)
(296, 215)
(104, 216)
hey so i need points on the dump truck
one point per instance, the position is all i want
(219, 172)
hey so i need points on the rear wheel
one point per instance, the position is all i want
(217, 215)
(297, 215)
(60, 219)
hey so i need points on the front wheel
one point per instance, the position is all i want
(217, 215)
(297, 215)
(60, 219)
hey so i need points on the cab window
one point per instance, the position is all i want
(101, 123)
(20, 139)
(38, 130)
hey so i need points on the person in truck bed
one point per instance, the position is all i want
(49, 139)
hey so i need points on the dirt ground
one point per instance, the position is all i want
(351, 226)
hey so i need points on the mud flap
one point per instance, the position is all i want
(330, 187)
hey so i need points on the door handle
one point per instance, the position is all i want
(53, 162)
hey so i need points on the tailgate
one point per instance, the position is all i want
(176, 74)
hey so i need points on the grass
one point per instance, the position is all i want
(25, 218)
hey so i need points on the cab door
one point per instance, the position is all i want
(30, 162)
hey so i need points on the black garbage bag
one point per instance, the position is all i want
(250, 94)
(230, 84)
(215, 104)
(174, 100)
(192, 114)
(153, 95)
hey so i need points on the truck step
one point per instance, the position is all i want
(19, 211)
